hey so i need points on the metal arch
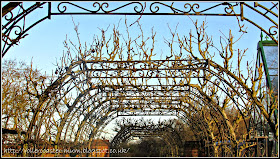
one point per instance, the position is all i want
(268, 32)
(229, 85)
(109, 119)
(154, 129)
(202, 122)
(76, 75)
(252, 98)
(192, 9)
(116, 109)
(9, 7)
(164, 137)
(10, 37)
(105, 119)
(86, 117)
(13, 29)
(179, 115)
(143, 130)
(76, 98)
(173, 150)
(63, 78)
(89, 137)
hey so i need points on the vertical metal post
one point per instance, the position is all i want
(49, 9)
(266, 146)
(241, 11)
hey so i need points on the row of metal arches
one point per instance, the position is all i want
(192, 97)
(165, 132)
(67, 82)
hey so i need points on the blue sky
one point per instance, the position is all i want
(44, 44)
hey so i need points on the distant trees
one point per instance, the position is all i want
(18, 105)
(151, 147)
(15, 101)
(156, 138)
(22, 86)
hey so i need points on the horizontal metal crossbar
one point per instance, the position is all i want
(12, 27)
(146, 105)
(148, 113)
(148, 108)
(145, 69)
(157, 90)
(140, 69)
(113, 77)
(154, 99)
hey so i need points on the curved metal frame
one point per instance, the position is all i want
(167, 133)
(102, 92)
(10, 37)
(98, 103)
(105, 106)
